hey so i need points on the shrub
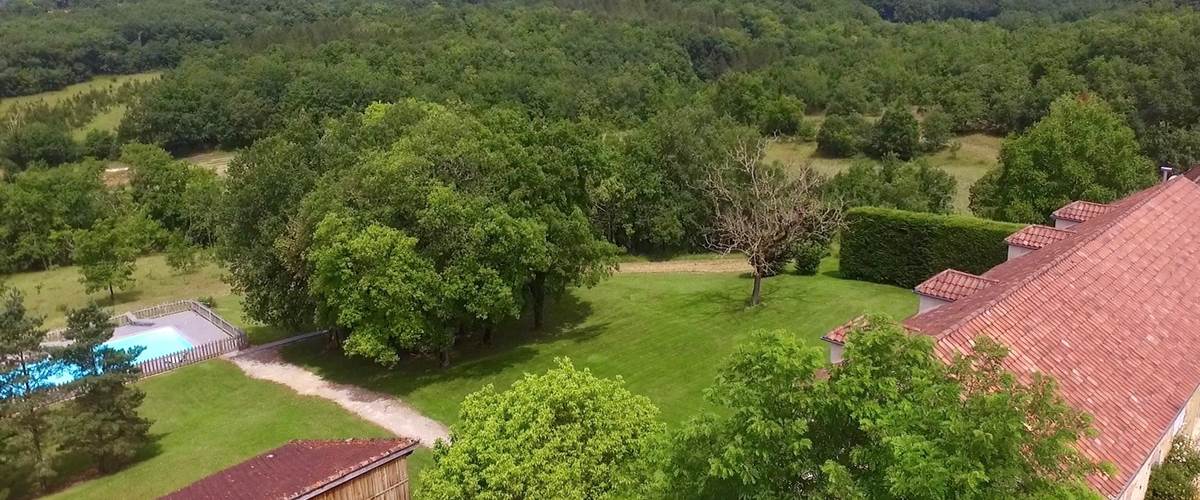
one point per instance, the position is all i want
(905, 248)
(1175, 478)
(897, 134)
(913, 185)
(808, 256)
(844, 135)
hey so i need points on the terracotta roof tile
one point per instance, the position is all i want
(1036, 237)
(951, 285)
(1080, 211)
(1109, 312)
(838, 335)
(294, 469)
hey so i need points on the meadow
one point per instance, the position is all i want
(974, 157)
(664, 334)
(69, 91)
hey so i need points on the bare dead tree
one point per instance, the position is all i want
(761, 212)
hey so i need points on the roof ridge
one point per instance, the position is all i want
(1080, 239)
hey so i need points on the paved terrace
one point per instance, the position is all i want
(193, 327)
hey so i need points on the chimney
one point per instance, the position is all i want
(1166, 172)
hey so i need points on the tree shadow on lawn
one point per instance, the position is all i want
(77, 468)
(514, 343)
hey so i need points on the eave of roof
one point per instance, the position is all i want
(1036, 237)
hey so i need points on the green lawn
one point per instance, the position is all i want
(210, 416)
(51, 293)
(666, 334)
(977, 155)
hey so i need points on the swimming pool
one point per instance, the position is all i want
(156, 343)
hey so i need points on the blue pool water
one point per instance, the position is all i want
(156, 343)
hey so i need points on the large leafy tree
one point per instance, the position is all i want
(40, 209)
(563, 434)
(497, 203)
(1082, 150)
(107, 253)
(375, 284)
(891, 421)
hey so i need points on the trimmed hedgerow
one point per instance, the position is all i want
(905, 248)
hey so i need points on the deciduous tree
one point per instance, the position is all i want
(892, 421)
(107, 253)
(1081, 151)
(563, 434)
(761, 213)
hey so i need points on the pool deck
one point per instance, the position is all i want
(190, 325)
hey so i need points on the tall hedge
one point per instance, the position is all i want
(905, 248)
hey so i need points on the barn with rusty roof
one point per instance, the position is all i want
(329, 470)
(1106, 303)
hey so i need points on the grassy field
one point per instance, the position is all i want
(210, 416)
(107, 120)
(665, 334)
(216, 160)
(977, 155)
(51, 293)
(54, 96)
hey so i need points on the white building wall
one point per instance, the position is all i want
(1016, 251)
(929, 303)
(1064, 224)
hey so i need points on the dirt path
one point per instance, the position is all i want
(687, 266)
(383, 410)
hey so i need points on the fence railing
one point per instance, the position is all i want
(190, 356)
(237, 341)
(160, 310)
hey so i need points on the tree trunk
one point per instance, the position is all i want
(538, 290)
(446, 357)
(487, 335)
(112, 297)
(756, 295)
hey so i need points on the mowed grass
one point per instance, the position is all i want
(209, 416)
(69, 91)
(976, 155)
(51, 293)
(665, 334)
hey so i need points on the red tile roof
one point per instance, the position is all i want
(1036, 237)
(1109, 312)
(951, 285)
(1080, 211)
(295, 470)
(838, 335)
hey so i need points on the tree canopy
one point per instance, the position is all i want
(1082, 150)
(891, 421)
(563, 434)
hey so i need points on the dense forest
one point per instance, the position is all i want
(588, 126)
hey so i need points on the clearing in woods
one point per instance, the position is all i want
(977, 154)
(53, 96)
(215, 160)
